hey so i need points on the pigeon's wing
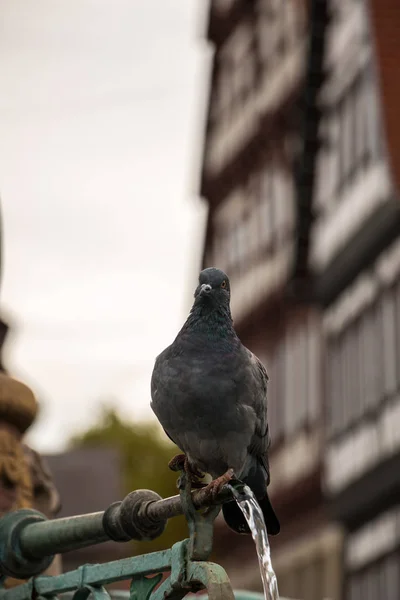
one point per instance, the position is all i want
(160, 403)
(258, 402)
(155, 384)
(167, 434)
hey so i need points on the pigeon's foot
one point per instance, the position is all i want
(177, 463)
(193, 473)
(197, 485)
(180, 462)
(216, 485)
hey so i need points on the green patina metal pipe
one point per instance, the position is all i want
(172, 507)
(28, 541)
(141, 515)
(61, 535)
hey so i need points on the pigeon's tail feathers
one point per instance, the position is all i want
(270, 518)
(235, 520)
(257, 478)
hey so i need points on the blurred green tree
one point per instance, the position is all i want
(145, 454)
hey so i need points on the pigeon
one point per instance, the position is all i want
(209, 392)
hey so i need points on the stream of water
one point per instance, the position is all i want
(253, 514)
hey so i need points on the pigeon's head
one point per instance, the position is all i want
(213, 287)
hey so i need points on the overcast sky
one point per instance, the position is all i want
(101, 117)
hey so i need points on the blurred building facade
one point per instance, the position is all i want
(256, 171)
(301, 168)
(355, 255)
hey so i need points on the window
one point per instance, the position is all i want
(346, 136)
(333, 393)
(282, 198)
(253, 234)
(341, 8)
(237, 78)
(253, 219)
(397, 325)
(241, 242)
(279, 26)
(378, 580)
(335, 389)
(267, 36)
(347, 376)
(266, 209)
(308, 572)
(355, 591)
(389, 345)
(292, 20)
(367, 352)
(311, 579)
(325, 167)
(224, 93)
(351, 364)
(332, 168)
(377, 351)
(358, 375)
(275, 393)
(276, 204)
(314, 360)
(299, 375)
(294, 368)
(391, 578)
(219, 254)
(248, 70)
(290, 396)
(270, 32)
(281, 390)
(372, 583)
(354, 128)
(361, 154)
(242, 78)
(363, 362)
(373, 133)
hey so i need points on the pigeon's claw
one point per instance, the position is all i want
(193, 472)
(177, 463)
(197, 485)
(180, 462)
(216, 485)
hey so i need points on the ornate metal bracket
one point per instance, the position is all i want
(185, 576)
(201, 524)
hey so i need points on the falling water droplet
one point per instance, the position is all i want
(252, 512)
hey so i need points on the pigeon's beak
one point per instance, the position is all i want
(205, 289)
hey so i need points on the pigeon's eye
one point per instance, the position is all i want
(223, 284)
